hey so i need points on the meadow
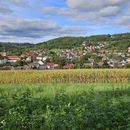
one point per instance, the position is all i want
(65, 100)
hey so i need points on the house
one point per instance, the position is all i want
(3, 53)
(88, 64)
(37, 65)
(100, 64)
(52, 65)
(69, 66)
(42, 67)
(29, 59)
(33, 65)
(39, 58)
(13, 59)
(40, 63)
(122, 63)
(44, 58)
(3, 60)
(115, 63)
(110, 63)
(129, 49)
(91, 60)
(128, 60)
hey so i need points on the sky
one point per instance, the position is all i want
(40, 20)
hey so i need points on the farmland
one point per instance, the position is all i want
(65, 100)
(66, 76)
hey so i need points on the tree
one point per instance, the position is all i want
(79, 62)
(105, 64)
(19, 63)
(128, 66)
(59, 60)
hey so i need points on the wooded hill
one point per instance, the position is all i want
(15, 48)
(116, 41)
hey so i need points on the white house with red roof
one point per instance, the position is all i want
(13, 59)
(52, 65)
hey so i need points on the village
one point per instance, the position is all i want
(91, 56)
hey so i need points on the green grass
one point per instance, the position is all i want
(56, 50)
(101, 106)
(65, 100)
(46, 90)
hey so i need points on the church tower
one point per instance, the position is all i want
(3, 53)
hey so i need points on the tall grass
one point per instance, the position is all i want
(49, 90)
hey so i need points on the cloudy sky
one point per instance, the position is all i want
(40, 20)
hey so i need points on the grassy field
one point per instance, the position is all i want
(65, 100)
(65, 106)
(49, 90)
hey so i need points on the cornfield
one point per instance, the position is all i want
(66, 76)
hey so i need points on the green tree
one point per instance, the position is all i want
(19, 63)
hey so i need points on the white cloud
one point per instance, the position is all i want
(91, 5)
(110, 11)
(98, 12)
(6, 5)
(123, 21)
(15, 2)
(35, 29)
(97, 8)
(4, 9)
(84, 14)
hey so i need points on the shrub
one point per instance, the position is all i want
(87, 110)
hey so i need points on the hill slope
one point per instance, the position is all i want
(117, 41)
(15, 48)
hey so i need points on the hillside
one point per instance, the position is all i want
(14, 48)
(62, 43)
(116, 41)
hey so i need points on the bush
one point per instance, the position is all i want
(88, 110)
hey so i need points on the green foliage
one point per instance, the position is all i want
(118, 41)
(15, 48)
(19, 63)
(122, 44)
(56, 50)
(79, 62)
(128, 66)
(62, 43)
(105, 64)
(86, 110)
(99, 38)
(59, 60)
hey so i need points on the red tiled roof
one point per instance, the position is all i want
(13, 57)
(69, 66)
(50, 64)
(29, 54)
